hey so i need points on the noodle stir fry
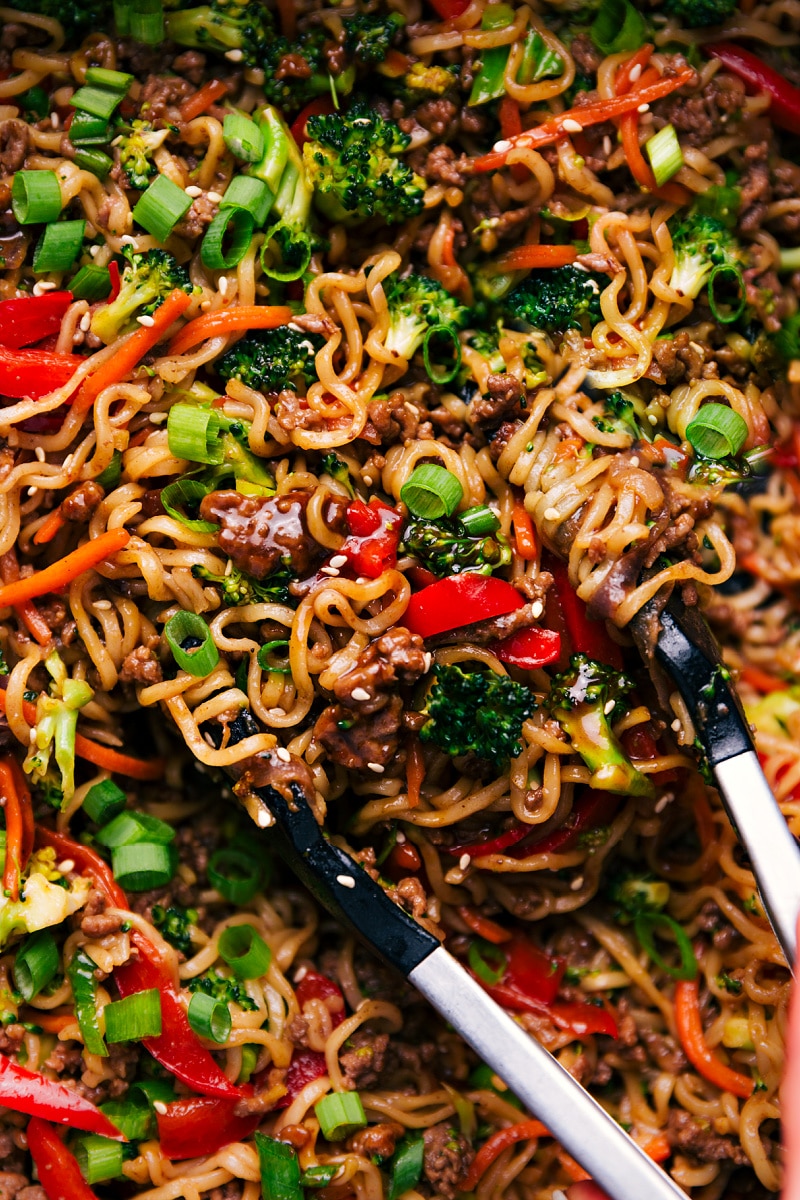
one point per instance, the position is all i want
(370, 377)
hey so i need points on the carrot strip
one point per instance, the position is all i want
(229, 320)
(658, 1148)
(592, 114)
(529, 258)
(49, 527)
(133, 350)
(640, 169)
(762, 681)
(569, 448)
(622, 80)
(494, 1147)
(16, 800)
(208, 94)
(34, 622)
(511, 127)
(690, 1032)
(524, 535)
(490, 931)
(571, 1167)
(415, 770)
(51, 1022)
(61, 573)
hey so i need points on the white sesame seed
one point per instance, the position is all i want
(103, 605)
(551, 514)
(86, 321)
(643, 108)
(571, 125)
(264, 818)
(663, 802)
(376, 767)
(222, 285)
(44, 285)
(193, 190)
(206, 305)
(537, 610)
(339, 560)
(346, 881)
(607, 145)
(360, 693)
(501, 147)
(401, 837)
(428, 660)
(276, 712)
(31, 738)
(127, 240)
(234, 55)
(464, 862)
(299, 974)
(576, 884)
(117, 141)
(54, 119)
(652, 418)
(215, 197)
(39, 452)
(367, 479)
(148, 322)
(157, 418)
(66, 866)
(283, 754)
(610, 705)
(635, 72)
(32, 491)
(160, 1107)
(635, 460)
(675, 726)
(328, 571)
(94, 251)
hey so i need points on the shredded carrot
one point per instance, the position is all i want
(570, 448)
(288, 15)
(571, 1167)
(529, 258)
(592, 114)
(395, 64)
(34, 622)
(49, 527)
(415, 770)
(490, 931)
(18, 811)
(61, 573)
(696, 1049)
(641, 170)
(51, 1022)
(524, 535)
(133, 350)
(622, 80)
(658, 1148)
(762, 681)
(494, 1147)
(208, 94)
(229, 320)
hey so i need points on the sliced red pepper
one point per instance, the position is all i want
(586, 636)
(34, 373)
(450, 10)
(314, 986)
(305, 1067)
(403, 860)
(784, 106)
(460, 600)
(529, 648)
(116, 281)
(640, 743)
(320, 106)
(56, 1166)
(200, 1125)
(28, 319)
(580, 1019)
(591, 810)
(28, 1092)
(531, 972)
(375, 531)
(515, 833)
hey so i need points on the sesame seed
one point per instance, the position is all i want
(206, 305)
(607, 145)
(54, 120)
(551, 514)
(158, 418)
(635, 460)
(215, 197)
(127, 240)
(328, 571)
(675, 726)
(300, 974)
(44, 285)
(571, 125)
(576, 884)
(160, 1107)
(501, 147)
(652, 418)
(264, 818)
(193, 190)
(66, 866)
(643, 108)
(103, 605)
(428, 660)
(537, 610)
(283, 754)
(94, 251)
(39, 452)
(346, 881)
(376, 767)
(663, 802)
(32, 491)
(234, 55)
(464, 861)
(276, 712)
(635, 72)
(339, 560)
(610, 705)
(367, 479)
(31, 738)
(401, 837)
(222, 284)
(360, 693)
(86, 321)
(148, 322)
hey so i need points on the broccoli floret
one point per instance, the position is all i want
(138, 141)
(477, 712)
(76, 19)
(353, 161)
(635, 894)
(147, 280)
(556, 300)
(368, 37)
(445, 547)
(700, 243)
(222, 987)
(245, 26)
(582, 700)
(700, 12)
(239, 588)
(417, 305)
(424, 81)
(173, 923)
(338, 469)
(622, 416)
(290, 93)
(272, 359)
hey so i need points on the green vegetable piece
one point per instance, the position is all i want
(340, 1114)
(147, 280)
(136, 1017)
(478, 712)
(81, 973)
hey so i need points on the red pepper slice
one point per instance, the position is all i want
(460, 600)
(514, 834)
(320, 106)
(56, 1166)
(34, 373)
(529, 648)
(531, 972)
(28, 319)
(590, 811)
(314, 986)
(450, 10)
(587, 636)
(200, 1125)
(580, 1019)
(784, 108)
(116, 281)
(375, 530)
(305, 1067)
(28, 1092)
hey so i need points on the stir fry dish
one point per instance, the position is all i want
(371, 375)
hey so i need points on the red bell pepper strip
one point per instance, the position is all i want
(529, 648)
(34, 373)
(587, 636)
(318, 107)
(200, 1125)
(450, 10)
(515, 833)
(56, 1166)
(784, 106)
(314, 986)
(590, 811)
(459, 600)
(375, 530)
(573, 1015)
(29, 319)
(116, 280)
(25, 1091)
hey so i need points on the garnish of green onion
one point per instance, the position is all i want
(109, 478)
(479, 521)
(789, 259)
(618, 26)
(209, 1018)
(665, 154)
(35, 103)
(98, 101)
(103, 802)
(319, 1176)
(487, 961)
(202, 656)
(94, 161)
(144, 865)
(91, 283)
(147, 21)
(646, 925)
(194, 433)
(728, 278)
(339, 1115)
(87, 130)
(263, 657)
(81, 973)
(122, 17)
(243, 137)
(161, 207)
(59, 246)
(130, 827)
(227, 238)
(115, 81)
(245, 951)
(132, 1116)
(234, 874)
(717, 432)
(406, 1165)
(252, 195)
(36, 197)
(280, 1170)
(176, 497)
(136, 1017)
(441, 335)
(431, 491)
(98, 1157)
(36, 964)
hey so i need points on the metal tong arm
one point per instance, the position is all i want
(688, 652)
(570, 1114)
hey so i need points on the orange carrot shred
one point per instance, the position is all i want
(415, 770)
(524, 534)
(494, 1147)
(49, 527)
(229, 320)
(208, 94)
(490, 931)
(697, 1050)
(61, 573)
(530, 258)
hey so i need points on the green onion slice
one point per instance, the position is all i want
(98, 101)
(245, 952)
(717, 431)
(446, 372)
(480, 520)
(59, 246)
(144, 865)
(36, 964)
(617, 27)
(115, 81)
(406, 1165)
(665, 154)
(320, 1176)
(200, 658)
(87, 130)
(161, 207)
(233, 226)
(431, 491)
(243, 137)
(109, 478)
(280, 1170)
(83, 981)
(194, 433)
(295, 248)
(36, 197)
(98, 1157)
(252, 195)
(131, 827)
(182, 494)
(91, 283)
(104, 801)
(263, 657)
(235, 874)
(209, 1018)
(340, 1114)
(95, 161)
(646, 926)
(132, 1116)
(487, 961)
(35, 103)
(730, 276)
(136, 1017)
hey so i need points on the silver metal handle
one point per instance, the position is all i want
(583, 1128)
(763, 831)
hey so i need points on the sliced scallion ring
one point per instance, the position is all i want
(200, 658)
(135, 1017)
(144, 865)
(185, 493)
(729, 276)
(36, 197)
(717, 432)
(115, 81)
(35, 964)
(94, 161)
(665, 154)
(87, 130)
(617, 27)
(340, 1114)
(479, 521)
(245, 952)
(99, 1158)
(99, 101)
(646, 925)
(243, 137)
(161, 207)
(147, 21)
(103, 802)
(194, 433)
(431, 491)
(280, 1170)
(209, 1018)
(130, 827)
(231, 226)
(91, 283)
(252, 195)
(441, 372)
(488, 962)
(406, 1165)
(59, 246)
(235, 874)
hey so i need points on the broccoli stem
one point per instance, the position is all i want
(587, 727)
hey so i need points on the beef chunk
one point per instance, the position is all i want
(141, 666)
(396, 657)
(355, 740)
(697, 1138)
(447, 1157)
(363, 1058)
(258, 532)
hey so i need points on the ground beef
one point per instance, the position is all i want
(315, 323)
(81, 503)
(484, 632)
(504, 392)
(438, 116)
(13, 145)
(587, 56)
(708, 113)
(712, 920)
(377, 1140)
(694, 1137)
(15, 1186)
(396, 657)
(447, 1157)
(141, 666)
(258, 532)
(390, 421)
(363, 1058)
(95, 922)
(160, 94)
(441, 166)
(664, 1051)
(198, 217)
(269, 769)
(501, 437)
(190, 64)
(354, 740)
(681, 359)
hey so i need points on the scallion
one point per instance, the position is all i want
(340, 1114)
(36, 197)
(441, 372)
(789, 259)
(122, 17)
(115, 81)
(98, 1157)
(98, 101)
(319, 1176)
(147, 21)
(81, 973)
(59, 246)
(717, 431)
(135, 1017)
(264, 660)
(479, 521)
(176, 497)
(406, 1165)
(646, 925)
(431, 491)
(665, 154)
(161, 207)
(730, 277)
(243, 137)
(202, 656)
(245, 951)
(227, 239)
(34, 103)
(87, 130)
(94, 161)
(617, 27)
(209, 1018)
(132, 1116)
(104, 801)
(194, 433)
(130, 827)
(109, 478)
(488, 962)
(280, 1170)
(144, 865)
(90, 283)
(235, 875)
(252, 195)
(35, 964)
